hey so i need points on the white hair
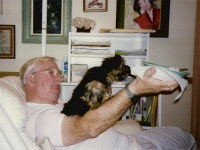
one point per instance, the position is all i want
(33, 65)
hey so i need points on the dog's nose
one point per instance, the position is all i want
(126, 69)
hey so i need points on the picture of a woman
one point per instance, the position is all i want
(150, 18)
(144, 15)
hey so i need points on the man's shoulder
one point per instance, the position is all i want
(39, 108)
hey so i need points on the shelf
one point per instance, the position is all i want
(126, 31)
(135, 57)
(76, 83)
(106, 55)
(69, 83)
(92, 55)
(108, 35)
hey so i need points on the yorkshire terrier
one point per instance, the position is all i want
(95, 87)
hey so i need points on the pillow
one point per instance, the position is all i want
(9, 136)
(12, 99)
(128, 126)
(12, 102)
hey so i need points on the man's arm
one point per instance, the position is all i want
(96, 121)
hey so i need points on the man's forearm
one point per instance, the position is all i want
(108, 114)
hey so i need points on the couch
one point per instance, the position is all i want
(13, 118)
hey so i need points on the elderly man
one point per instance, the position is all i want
(41, 78)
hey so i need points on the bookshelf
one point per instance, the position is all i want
(112, 41)
(91, 48)
(147, 107)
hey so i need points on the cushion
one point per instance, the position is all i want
(13, 118)
(12, 99)
(9, 131)
(12, 102)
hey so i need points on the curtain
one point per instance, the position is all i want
(195, 124)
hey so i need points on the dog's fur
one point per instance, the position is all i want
(95, 87)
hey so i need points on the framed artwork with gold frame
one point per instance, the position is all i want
(7, 41)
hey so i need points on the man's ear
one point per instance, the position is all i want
(30, 79)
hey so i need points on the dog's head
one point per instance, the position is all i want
(116, 68)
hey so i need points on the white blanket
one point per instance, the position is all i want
(166, 138)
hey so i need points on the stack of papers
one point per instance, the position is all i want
(90, 49)
(94, 47)
(138, 52)
(92, 43)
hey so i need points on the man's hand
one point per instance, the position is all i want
(150, 84)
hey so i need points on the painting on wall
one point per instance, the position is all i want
(58, 21)
(142, 15)
(54, 16)
(95, 5)
(7, 41)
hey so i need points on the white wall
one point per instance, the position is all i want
(177, 50)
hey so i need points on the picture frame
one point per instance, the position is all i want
(124, 18)
(7, 41)
(95, 5)
(1, 7)
(28, 36)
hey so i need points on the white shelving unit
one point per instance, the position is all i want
(118, 41)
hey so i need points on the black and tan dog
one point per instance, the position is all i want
(95, 87)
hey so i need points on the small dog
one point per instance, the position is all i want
(95, 87)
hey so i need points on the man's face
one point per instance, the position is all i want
(46, 86)
(144, 4)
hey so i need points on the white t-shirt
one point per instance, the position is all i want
(45, 120)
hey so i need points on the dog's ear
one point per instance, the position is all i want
(113, 62)
(117, 56)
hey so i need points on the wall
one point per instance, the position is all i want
(177, 50)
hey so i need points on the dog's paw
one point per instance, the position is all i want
(75, 107)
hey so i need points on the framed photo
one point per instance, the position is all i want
(7, 41)
(131, 16)
(58, 21)
(95, 5)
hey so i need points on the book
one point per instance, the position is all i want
(78, 72)
(90, 49)
(154, 111)
(91, 43)
(148, 108)
(136, 52)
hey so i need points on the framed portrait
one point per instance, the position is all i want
(130, 15)
(7, 41)
(95, 5)
(58, 21)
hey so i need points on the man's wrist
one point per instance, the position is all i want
(134, 98)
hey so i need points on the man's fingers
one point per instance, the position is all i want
(149, 72)
(170, 86)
